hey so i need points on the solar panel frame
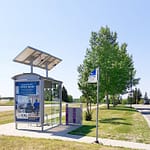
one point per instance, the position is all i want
(37, 58)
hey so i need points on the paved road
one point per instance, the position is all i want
(9, 108)
(6, 108)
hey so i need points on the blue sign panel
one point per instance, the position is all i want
(26, 88)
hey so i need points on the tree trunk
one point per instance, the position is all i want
(87, 106)
(88, 116)
(114, 101)
(90, 106)
(107, 100)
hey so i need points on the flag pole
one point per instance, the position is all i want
(97, 108)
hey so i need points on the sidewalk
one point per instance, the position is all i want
(61, 133)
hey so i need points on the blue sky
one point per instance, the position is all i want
(63, 27)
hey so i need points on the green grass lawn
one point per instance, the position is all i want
(121, 123)
(23, 143)
(49, 110)
(7, 103)
(6, 117)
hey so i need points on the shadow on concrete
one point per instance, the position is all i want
(61, 130)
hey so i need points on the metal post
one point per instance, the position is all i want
(131, 91)
(67, 115)
(98, 73)
(60, 100)
(81, 113)
(41, 104)
(31, 66)
(46, 70)
(16, 125)
(15, 107)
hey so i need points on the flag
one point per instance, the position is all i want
(93, 77)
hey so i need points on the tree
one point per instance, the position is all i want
(70, 98)
(139, 96)
(145, 96)
(64, 94)
(135, 94)
(88, 90)
(48, 94)
(115, 65)
(146, 100)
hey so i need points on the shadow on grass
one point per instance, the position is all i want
(121, 108)
(115, 121)
(83, 130)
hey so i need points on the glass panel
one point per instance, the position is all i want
(52, 110)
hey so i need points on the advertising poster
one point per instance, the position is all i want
(27, 101)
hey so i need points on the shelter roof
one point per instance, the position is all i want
(37, 58)
(23, 75)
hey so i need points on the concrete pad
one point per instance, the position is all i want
(61, 133)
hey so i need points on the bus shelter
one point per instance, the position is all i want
(32, 89)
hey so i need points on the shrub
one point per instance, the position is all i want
(141, 101)
(88, 115)
(125, 101)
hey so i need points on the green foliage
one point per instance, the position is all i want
(82, 99)
(141, 101)
(146, 100)
(116, 66)
(70, 98)
(124, 101)
(137, 95)
(77, 100)
(145, 96)
(48, 94)
(64, 94)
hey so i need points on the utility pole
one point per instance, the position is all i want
(97, 108)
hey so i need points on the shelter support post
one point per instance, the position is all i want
(60, 99)
(31, 66)
(46, 70)
(16, 125)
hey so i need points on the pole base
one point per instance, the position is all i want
(97, 142)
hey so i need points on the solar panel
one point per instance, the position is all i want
(37, 58)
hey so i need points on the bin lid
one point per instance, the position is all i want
(37, 58)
